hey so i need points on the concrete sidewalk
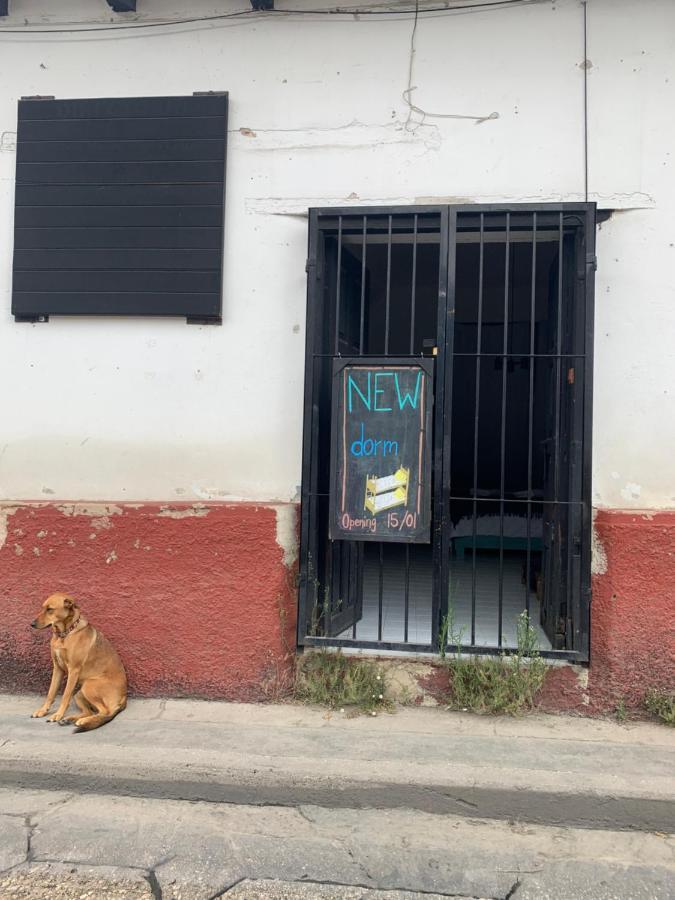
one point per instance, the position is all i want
(540, 769)
(194, 800)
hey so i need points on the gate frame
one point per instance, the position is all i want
(584, 287)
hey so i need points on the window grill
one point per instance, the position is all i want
(501, 298)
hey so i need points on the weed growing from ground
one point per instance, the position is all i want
(620, 711)
(501, 684)
(339, 682)
(661, 704)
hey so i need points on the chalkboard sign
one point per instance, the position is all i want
(381, 450)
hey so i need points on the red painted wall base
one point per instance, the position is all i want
(200, 600)
(633, 607)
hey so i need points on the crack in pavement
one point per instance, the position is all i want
(30, 832)
(513, 890)
(155, 886)
(223, 891)
(364, 887)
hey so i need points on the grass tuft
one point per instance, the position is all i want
(661, 704)
(338, 682)
(502, 684)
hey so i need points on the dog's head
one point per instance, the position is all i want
(56, 608)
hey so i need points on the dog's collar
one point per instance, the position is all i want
(64, 634)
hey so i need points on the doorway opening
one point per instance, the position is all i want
(501, 299)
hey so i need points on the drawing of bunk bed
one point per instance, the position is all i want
(387, 492)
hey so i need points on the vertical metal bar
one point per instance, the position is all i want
(579, 489)
(363, 285)
(476, 419)
(351, 552)
(380, 592)
(533, 299)
(388, 294)
(308, 595)
(555, 585)
(338, 289)
(414, 287)
(406, 609)
(444, 336)
(584, 647)
(502, 479)
(558, 376)
(574, 406)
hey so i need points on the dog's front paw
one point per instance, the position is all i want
(56, 717)
(39, 713)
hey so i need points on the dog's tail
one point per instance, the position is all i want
(90, 722)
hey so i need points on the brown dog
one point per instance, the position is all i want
(86, 658)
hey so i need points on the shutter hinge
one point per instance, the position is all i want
(592, 261)
(309, 265)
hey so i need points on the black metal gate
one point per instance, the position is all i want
(501, 297)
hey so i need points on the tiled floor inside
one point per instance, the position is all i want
(419, 603)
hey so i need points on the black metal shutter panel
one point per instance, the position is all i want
(119, 207)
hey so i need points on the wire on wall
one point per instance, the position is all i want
(336, 12)
(413, 109)
(585, 9)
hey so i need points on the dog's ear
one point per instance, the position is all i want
(68, 603)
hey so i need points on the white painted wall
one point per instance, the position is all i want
(141, 410)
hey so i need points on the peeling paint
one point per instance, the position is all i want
(286, 535)
(98, 510)
(298, 206)
(169, 512)
(598, 554)
(5, 513)
(111, 557)
(352, 135)
(101, 523)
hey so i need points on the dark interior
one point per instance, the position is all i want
(509, 440)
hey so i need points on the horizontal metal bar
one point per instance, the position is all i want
(396, 646)
(536, 500)
(463, 237)
(461, 209)
(522, 209)
(314, 641)
(398, 210)
(398, 356)
(514, 355)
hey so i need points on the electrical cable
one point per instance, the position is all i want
(245, 13)
(407, 93)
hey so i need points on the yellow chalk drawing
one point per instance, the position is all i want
(387, 492)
